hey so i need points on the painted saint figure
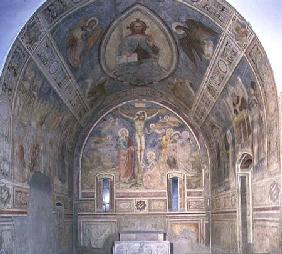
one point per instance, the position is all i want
(138, 56)
(165, 143)
(172, 162)
(82, 39)
(184, 151)
(125, 155)
(139, 125)
(256, 123)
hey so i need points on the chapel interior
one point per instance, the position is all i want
(139, 127)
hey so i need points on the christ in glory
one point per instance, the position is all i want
(139, 120)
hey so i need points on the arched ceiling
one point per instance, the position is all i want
(71, 61)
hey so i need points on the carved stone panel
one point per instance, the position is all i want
(5, 196)
(94, 234)
(21, 198)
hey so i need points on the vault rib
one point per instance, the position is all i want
(44, 53)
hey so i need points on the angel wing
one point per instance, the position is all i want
(164, 125)
(198, 30)
(97, 89)
(187, 46)
(195, 32)
(241, 88)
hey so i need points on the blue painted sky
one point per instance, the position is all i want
(264, 16)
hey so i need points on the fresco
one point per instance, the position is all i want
(185, 237)
(82, 38)
(5, 143)
(240, 113)
(139, 142)
(140, 160)
(39, 134)
(136, 46)
(196, 40)
(95, 234)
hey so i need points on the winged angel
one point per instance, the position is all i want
(196, 40)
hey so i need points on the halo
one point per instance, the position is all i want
(169, 130)
(176, 133)
(166, 118)
(185, 135)
(151, 153)
(123, 129)
(174, 25)
(92, 19)
(141, 112)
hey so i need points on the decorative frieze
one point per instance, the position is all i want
(241, 32)
(15, 63)
(225, 64)
(32, 33)
(54, 10)
(157, 205)
(125, 206)
(217, 10)
(195, 204)
(57, 74)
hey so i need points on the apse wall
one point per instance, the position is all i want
(140, 147)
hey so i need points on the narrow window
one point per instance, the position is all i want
(104, 193)
(175, 194)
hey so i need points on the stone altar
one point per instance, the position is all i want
(142, 247)
(141, 242)
(142, 236)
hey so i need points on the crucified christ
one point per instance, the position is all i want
(139, 123)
